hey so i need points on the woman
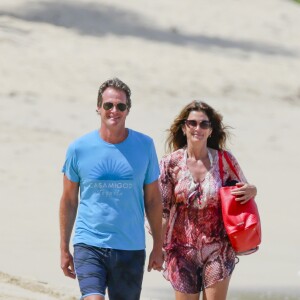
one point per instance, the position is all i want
(198, 254)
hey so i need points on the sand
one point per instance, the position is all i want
(242, 57)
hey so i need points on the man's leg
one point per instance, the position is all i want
(94, 297)
(90, 267)
(125, 274)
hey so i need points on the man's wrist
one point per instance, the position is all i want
(157, 245)
(64, 247)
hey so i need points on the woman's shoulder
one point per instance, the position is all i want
(213, 152)
(228, 155)
(173, 158)
(222, 152)
(178, 154)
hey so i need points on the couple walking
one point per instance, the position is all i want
(115, 173)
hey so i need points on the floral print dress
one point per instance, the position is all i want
(198, 252)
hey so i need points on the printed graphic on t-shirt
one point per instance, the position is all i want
(110, 179)
(112, 170)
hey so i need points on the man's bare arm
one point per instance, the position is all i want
(153, 208)
(67, 215)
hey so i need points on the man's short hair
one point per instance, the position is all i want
(117, 84)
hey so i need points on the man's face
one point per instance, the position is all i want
(114, 101)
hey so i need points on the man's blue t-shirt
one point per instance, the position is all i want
(111, 179)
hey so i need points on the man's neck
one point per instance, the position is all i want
(113, 137)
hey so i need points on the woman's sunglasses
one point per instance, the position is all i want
(110, 105)
(193, 124)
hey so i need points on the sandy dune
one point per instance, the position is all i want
(242, 57)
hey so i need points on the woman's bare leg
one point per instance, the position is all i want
(218, 291)
(183, 296)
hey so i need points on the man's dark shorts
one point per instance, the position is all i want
(120, 271)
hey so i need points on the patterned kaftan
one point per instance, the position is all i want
(198, 251)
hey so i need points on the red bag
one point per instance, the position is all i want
(241, 221)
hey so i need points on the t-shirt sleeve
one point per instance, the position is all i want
(166, 186)
(70, 167)
(153, 167)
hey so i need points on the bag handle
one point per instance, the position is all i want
(226, 156)
(221, 167)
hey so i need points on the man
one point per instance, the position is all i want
(115, 169)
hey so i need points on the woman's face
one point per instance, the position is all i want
(197, 127)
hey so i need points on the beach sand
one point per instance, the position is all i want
(242, 57)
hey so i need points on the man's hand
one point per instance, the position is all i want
(156, 260)
(67, 264)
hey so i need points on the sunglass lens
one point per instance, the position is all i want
(121, 106)
(107, 105)
(191, 123)
(204, 124)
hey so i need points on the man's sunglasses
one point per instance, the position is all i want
(193, 124)
(110, 105)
